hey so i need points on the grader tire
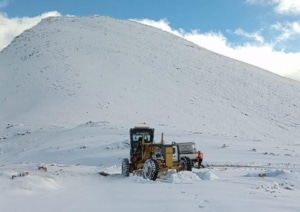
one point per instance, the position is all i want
(125, 167)
(186, 163)
(150, 169)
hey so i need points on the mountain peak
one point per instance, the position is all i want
(69, 70)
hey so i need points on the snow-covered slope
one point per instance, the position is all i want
(67, 71)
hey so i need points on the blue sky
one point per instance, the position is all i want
(255, 31)
(192, 14)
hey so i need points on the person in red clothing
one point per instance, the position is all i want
(200, 159)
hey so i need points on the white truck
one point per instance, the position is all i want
(188, 149)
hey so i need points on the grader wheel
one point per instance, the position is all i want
(150, 169)
(186, 164)
(125, 167)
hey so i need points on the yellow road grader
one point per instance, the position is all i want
(152, 159)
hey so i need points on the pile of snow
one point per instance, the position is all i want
(191, 177)
(183, 177)
(207, 175)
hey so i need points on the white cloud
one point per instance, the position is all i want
(264, 56)
(287, 6)
(213, 41)
(258, 53)
(162, 24)
(255, 35)
(11, 27)
(281, 6)
(288, 31)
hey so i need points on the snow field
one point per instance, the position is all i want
(253, 180)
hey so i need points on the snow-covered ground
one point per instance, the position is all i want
(242, 176)
(72, 87)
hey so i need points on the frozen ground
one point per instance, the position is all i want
(241, 176)
(72, 87)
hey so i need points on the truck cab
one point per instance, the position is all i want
(187, 149)
(139, 135)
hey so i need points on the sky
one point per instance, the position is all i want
(264, 33)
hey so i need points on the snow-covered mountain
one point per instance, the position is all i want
(71, 87)
(68, 70)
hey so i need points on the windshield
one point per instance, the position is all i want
(138, 136)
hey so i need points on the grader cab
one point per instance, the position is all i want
(152, 159)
